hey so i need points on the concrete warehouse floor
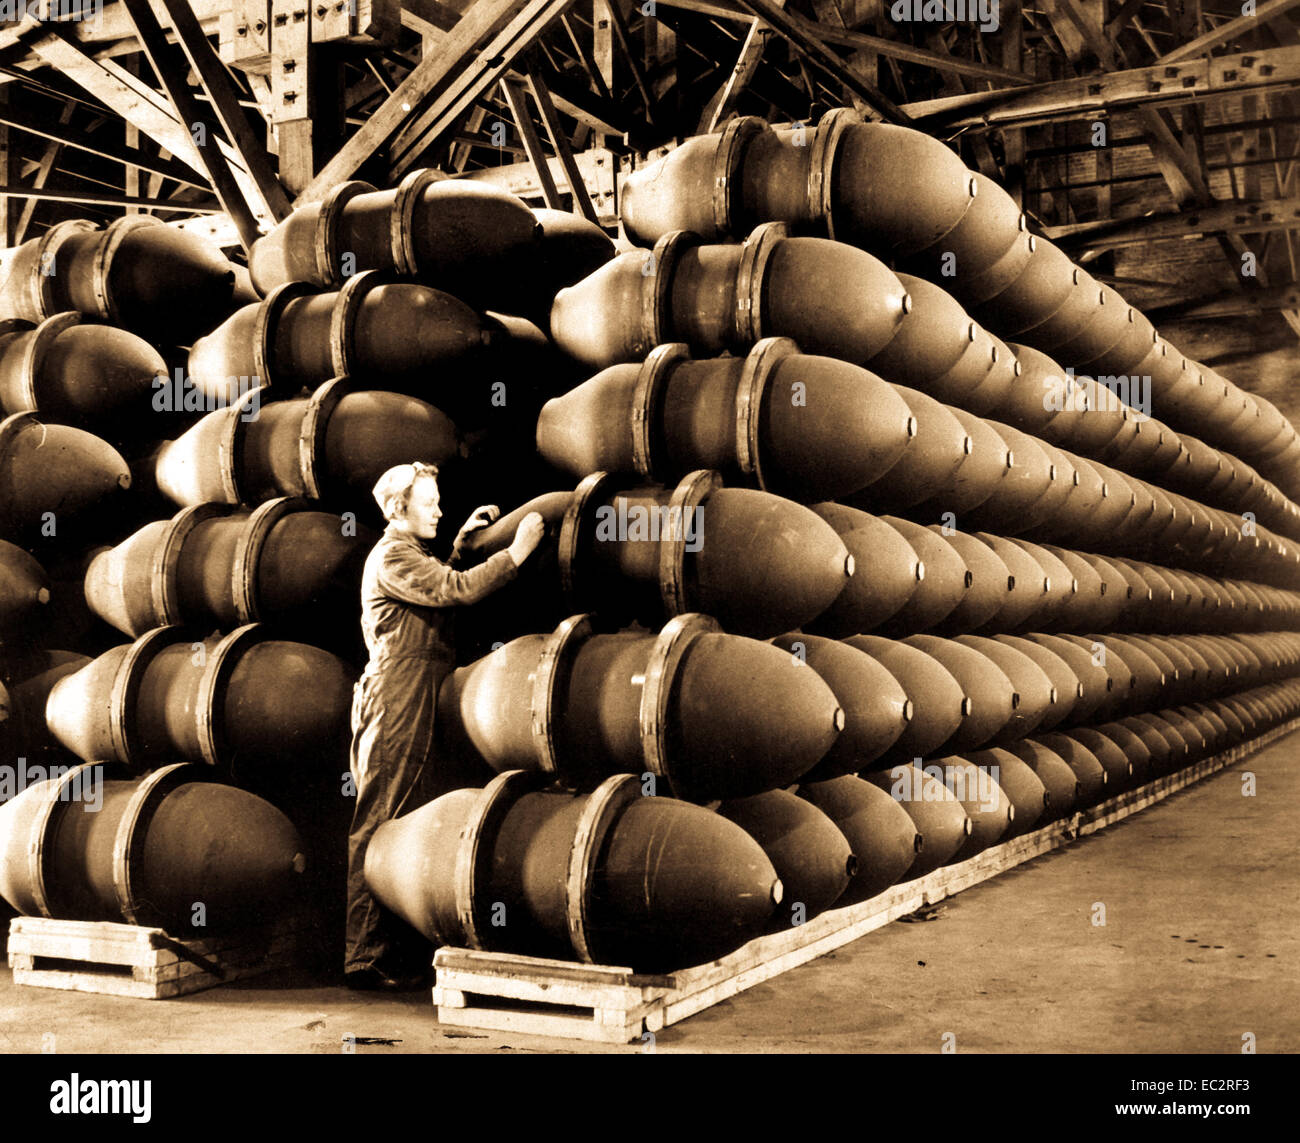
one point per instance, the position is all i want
(1200, 945)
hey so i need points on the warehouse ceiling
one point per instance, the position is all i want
(1156, 142)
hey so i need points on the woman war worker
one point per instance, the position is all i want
(408, 597)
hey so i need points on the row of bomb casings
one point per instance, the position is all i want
(908, 198)
(759, 563)
(595, 877)
(848, 839)
(589, 876)
(914, 334)
(835, 300)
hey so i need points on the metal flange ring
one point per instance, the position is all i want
(755, 253)
(725, 192)
(105, 249)
(822, 154)
(343, 317)
(755, 375)
(230, 445)
(265, 325)
(325, 236)
(312, 464)
(132, 830)
(647, 401)
(656, 325)
(401, 219)
(683, 506)
(604, 806)
(248, 553)
(548, 685)
(124, 694)
(210, 705)
(164, 578)
(660, 672)
(33, 354)
(574, 541)
(40, 834)
(40, 287)
(475, 850)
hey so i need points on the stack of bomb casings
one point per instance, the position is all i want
(908, 198)
(1049, 597)
(220, 612)
(93, 318)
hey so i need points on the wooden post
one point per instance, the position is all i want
(291, 90)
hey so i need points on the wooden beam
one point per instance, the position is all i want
(559, 141)
(1250, 303)
(909, 53)
(163, 59)
(103, 198)
(1088, 96)
(293, 91)
(216, 83)
(471, 80)
(598, 169)
(723, 101)
(518, 103)
(130, 99)
(42, 126)
(634, 64)
(1268, 10)
(429, 77)
(805, 38)
(1222, 218)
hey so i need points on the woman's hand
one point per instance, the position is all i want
(527, 536)
(481, 517)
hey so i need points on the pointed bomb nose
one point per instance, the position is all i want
(56, 472)
(675, 884)
(880, 834)
(809, 853)
(24, 587)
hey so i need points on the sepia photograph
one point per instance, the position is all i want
(648, 528)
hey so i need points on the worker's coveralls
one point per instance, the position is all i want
(406, 599)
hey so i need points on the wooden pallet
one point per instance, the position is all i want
(610, 1004)
(145, 963)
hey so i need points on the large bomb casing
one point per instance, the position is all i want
(251, 705)
(610, 877)
(800, 425)
(165, 284)
(708, 714)
(286, 562)
(760, 564)
(87, 846)
(332, 446)
(940, 818)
